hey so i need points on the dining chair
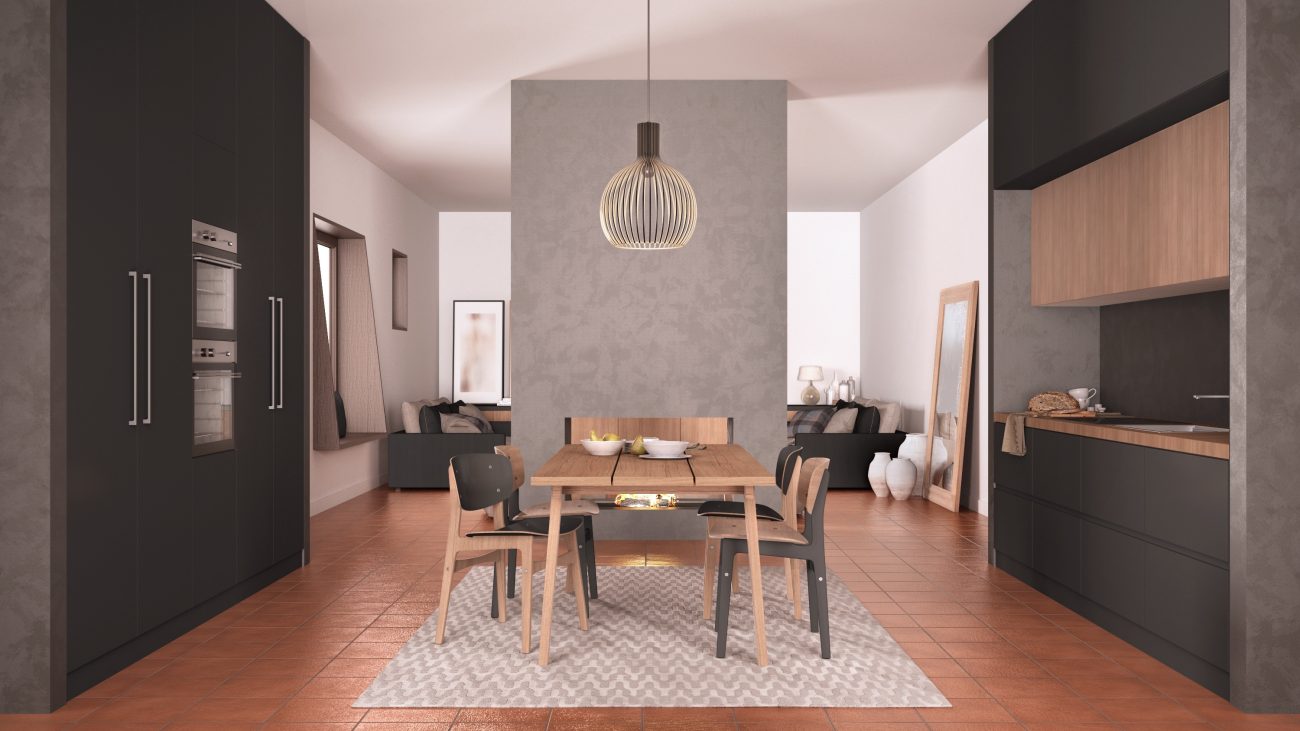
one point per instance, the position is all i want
(779, 539)
(788, 463)
(584, 509)
(479, 481)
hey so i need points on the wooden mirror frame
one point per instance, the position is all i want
(969, 294)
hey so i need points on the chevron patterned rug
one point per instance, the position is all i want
(648, 646)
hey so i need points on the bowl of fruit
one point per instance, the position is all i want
(606, 446)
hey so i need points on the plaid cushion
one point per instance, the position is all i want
(810, 421)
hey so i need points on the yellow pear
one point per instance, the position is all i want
(592, 437)
(638, 446)
(611, 437)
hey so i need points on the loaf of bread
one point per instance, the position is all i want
(1052, 401)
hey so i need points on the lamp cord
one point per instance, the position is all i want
(647, 60)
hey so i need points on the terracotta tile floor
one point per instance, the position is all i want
(295, 655)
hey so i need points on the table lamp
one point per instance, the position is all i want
(810, 395)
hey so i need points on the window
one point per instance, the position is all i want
(327, 248)
(399, 290)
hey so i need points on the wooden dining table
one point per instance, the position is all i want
(716, 469)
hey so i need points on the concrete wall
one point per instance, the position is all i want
(33, 489)
(352, 191)
(473, 264)
(823, 298)
(927, 233)
(698, 331)
(1033, 348)
(1265, 302)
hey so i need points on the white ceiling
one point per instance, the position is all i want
(422, 87)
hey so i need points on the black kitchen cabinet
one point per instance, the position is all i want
(1074, 80)
(291, 266)
(1112, 478)
(103, 360)
(1110, 573)
(166, 574)
(176, 112)
(1013, 524)
(1009, 470)
(1056, 468)
(257, 204)
(216, 523)
(217, 56)
(1058, 544)
(1133, 538)
(1187, 603)
(1187, 503)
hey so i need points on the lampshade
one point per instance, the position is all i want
(648, 204)
(810, 373)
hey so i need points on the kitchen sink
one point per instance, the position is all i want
(1174, 428)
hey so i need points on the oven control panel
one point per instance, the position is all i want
(216, 352)
(214, 236)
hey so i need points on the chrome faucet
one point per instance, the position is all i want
(1200, 396)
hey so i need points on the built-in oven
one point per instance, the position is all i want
(215, 373)
(214, 251)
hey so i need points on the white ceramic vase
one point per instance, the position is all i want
(876, 474)
(900, 475)
(913, 449)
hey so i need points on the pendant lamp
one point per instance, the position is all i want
(648, 204)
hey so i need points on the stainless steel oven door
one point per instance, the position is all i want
(214, 410)
(215, 272)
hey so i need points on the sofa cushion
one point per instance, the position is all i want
(447, 408)
(842, 422)
(411, 413)
(810, 421)
(430, 420)
(891, 413)
(463, 424)
(868, 420)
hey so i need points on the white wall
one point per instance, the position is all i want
(350, 190)
(929, 232)
(473, 264)
(822, 297)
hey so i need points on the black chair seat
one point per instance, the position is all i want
(532, 527)
(729, 509)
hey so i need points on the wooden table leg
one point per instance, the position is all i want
(755, 572)
(548, 582)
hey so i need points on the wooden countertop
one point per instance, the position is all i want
(1210, 444)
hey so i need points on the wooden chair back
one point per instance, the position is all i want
(481, 480)
(814, 481)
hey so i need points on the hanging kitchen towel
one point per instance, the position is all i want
(1013, 438)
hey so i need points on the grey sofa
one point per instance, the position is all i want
(849, 453)
(420, 460)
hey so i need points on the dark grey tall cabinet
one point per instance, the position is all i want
(179, 110)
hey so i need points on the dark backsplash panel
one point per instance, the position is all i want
(1156, 354)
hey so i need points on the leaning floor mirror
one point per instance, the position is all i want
(948, 418)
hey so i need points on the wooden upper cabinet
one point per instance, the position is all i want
(1147, 221)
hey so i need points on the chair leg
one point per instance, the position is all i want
(580, 594)
(526, 557)
(813, 613)
(789, 578)
(823, 609)
(496, 605)
(510, 573)
(792, 566)
(444, 596)
(587, 527)
(581, 567)
(500, 575)
(710, 574)
(727, 561)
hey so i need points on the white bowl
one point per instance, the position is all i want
(664, 448)
(602, 449)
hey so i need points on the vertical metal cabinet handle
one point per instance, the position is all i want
(280, 358)
(148, 349)
(271, 301)
(135, 348)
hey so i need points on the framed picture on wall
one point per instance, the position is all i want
(478, 351)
